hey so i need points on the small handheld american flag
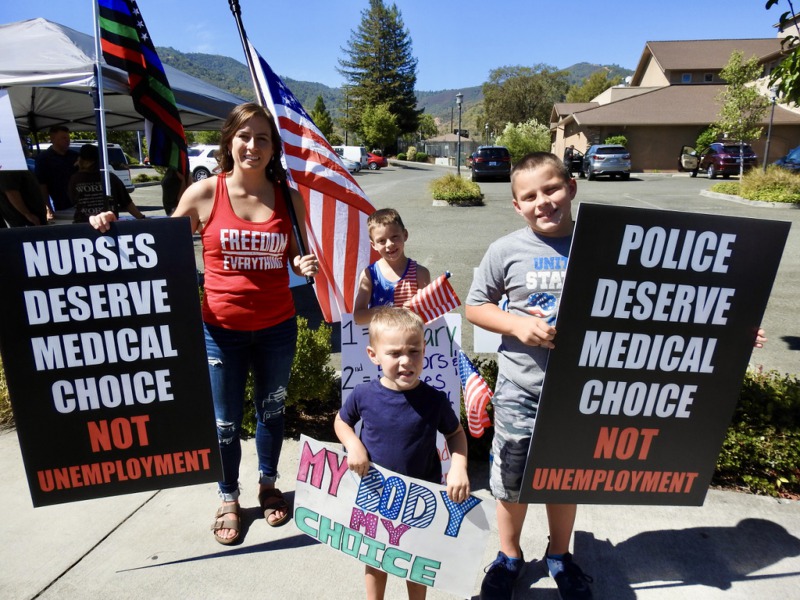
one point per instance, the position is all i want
(435, 300)
(477, 396)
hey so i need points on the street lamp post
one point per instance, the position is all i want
(774, 93)
(459, 98)
(486, 131)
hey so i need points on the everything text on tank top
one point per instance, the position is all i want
(246, 276)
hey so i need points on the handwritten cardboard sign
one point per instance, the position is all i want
(442, 343)
(656, 325)
(103, 350)
(401, 525)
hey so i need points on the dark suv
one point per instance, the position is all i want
(722, 158)
(491, 162)
(606, 159)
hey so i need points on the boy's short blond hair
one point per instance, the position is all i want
(390, 317)
(384, 216)
(534, 160)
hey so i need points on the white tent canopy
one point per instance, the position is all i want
(48, 70)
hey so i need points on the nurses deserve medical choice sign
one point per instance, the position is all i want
(103, 351)
(656, 325)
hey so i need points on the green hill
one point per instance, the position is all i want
(231, 75)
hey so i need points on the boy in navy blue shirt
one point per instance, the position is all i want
(400, 415)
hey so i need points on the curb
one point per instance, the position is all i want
(740, 200)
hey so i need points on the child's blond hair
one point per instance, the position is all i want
(384, 216)
(390, 317)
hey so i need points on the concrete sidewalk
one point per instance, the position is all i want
(158, 545)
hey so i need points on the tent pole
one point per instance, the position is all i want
(100, 110)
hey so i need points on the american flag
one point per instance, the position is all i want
(477, 396)
(336, 206)
(436, 299)
(127, 45)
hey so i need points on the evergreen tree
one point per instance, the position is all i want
(322, 118)
(380, 68)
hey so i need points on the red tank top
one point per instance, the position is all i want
(246, 277)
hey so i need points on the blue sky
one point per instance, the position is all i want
(457, 43)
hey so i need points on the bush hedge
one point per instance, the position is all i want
(776, 185)
(456, 190)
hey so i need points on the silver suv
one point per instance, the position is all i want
(606, 159)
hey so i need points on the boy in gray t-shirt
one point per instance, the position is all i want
(528, 266)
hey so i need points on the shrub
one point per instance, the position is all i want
(144, 178)
(401, 156)
(729, 187)
(761, 451)
(6, 416)
(456, 190)
(411, 152)
(776, 185)
(311, 378)
(524, 138)
(421, 157)
(619, 140)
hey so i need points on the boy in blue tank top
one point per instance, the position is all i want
(393, 279)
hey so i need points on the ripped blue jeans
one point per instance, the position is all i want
(268, 353)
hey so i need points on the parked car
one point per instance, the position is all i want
(492, 162)
(350, 165)
(203, 161)
(116, 160)
(791, 161)
(376, 161)
(355, 153)
(721, 158)
(606, 159)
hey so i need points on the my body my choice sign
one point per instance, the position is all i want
(656, 325)
(105, 360)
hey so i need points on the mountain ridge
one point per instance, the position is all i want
(233, 76)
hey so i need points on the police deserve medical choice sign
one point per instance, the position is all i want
(103, 352)
(656, 325)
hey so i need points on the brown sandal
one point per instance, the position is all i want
(271, 500)
(221, 523)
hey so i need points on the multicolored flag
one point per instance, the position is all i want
(336, 206)
(436, 299)
(477, 396)
(127, 45)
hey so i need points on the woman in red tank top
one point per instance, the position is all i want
(248, 312)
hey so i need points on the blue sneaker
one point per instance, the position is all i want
(572, 582)
(498, 584)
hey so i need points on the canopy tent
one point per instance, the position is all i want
(48, 70)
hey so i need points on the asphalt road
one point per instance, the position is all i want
(445, 238)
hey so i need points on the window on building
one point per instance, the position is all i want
(686, 78)
(708, 78)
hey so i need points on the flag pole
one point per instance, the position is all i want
(100, 111)
(237, 16)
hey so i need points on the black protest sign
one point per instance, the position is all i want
(657, 321)
(103, 351)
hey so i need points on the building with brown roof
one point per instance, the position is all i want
(671, 98)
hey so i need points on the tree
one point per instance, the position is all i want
(786, 76)
(518, 94)
(380, 68)
(379, 126)
(427, 127)
(524, 138)
(322, 118)
(592, 86)
(743, 107)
